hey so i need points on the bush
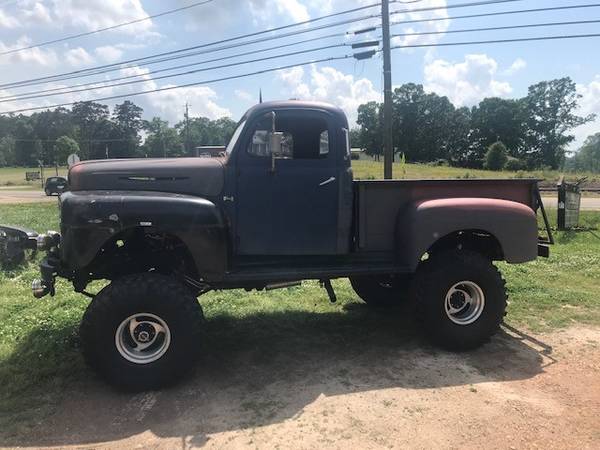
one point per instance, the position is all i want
(496, 156)
(515, 165)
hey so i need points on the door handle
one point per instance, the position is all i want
(327, 181)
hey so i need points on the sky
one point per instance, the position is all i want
(466, 74)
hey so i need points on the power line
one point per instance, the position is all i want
(177, 57)
(499, 41)
(112, 27)
(508, 27)
(181, 66)
(189, 72)
(169, 88)
(458, 5)
(499, 13)
(119, 65)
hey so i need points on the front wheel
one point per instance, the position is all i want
(142, 332)
(461, 298)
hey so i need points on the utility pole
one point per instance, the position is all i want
(187, 129)
(387, 92)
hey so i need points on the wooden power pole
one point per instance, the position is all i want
(387, 92)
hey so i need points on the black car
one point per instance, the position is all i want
(55, 185)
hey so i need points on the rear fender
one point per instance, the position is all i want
(422, 224)
(90, 219)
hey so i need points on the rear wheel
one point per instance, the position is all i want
(461, 298)
(142, 331)
(382, 290)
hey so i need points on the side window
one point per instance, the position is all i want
(261, 146)
(324, 143)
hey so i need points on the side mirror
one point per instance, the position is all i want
(275, 140)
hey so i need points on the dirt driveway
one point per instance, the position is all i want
(517, 392)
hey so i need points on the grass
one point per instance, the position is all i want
(366, 170)
(39, 354)
(373, 170)
(15, 176)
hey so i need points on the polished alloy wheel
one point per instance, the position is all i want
(464, 302)
(143, 338)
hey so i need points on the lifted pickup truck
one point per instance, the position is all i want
(281, 206)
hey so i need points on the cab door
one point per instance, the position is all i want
(293, 208)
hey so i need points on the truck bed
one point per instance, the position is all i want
(379, 202)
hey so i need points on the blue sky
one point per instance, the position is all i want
(466, 74)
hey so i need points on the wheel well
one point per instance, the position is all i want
(140, 249)
(476, 240)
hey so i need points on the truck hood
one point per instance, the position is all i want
(193, 176)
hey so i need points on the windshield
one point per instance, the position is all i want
(235, 137)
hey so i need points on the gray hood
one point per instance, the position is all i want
(192, 176)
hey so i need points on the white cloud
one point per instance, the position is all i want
(517, 65)
(588, 104)
(431, 26)
(108, 53)
(169, 104)
(78, 57)
(37, 14)
(94, 14)
(243, 95)
(7, 21)
(329, 85)
(41, 56)
(266, 11)
(465, 83)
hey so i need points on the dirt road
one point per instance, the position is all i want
(23, 196)
(517, 392)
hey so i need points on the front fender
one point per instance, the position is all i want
(89, 219)
(513, 224)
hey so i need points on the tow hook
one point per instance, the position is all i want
(329, 288)
(40, 289)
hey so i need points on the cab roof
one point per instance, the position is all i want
(266, 107)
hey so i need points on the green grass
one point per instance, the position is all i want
(15, 176)
(39, 354)
(373, 170)
(366, 170)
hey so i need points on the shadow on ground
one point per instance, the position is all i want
(266, 368)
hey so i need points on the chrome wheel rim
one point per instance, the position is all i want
(143, 338)
(464, 302)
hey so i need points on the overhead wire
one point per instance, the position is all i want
(169, 88)
(189, 72)
(119, 65)
(99, 30)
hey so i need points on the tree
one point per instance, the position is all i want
(496, 156)
(65, 146)
(128, 121)
(88, 117)
(550, 108)
(496, 119)
(162, 140)
(7, 151)
(370, 120)
(588, 156)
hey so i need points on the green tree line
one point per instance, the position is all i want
(535, 130)
(93, 131)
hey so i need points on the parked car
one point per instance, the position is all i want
(55, 185)
(281, 206)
